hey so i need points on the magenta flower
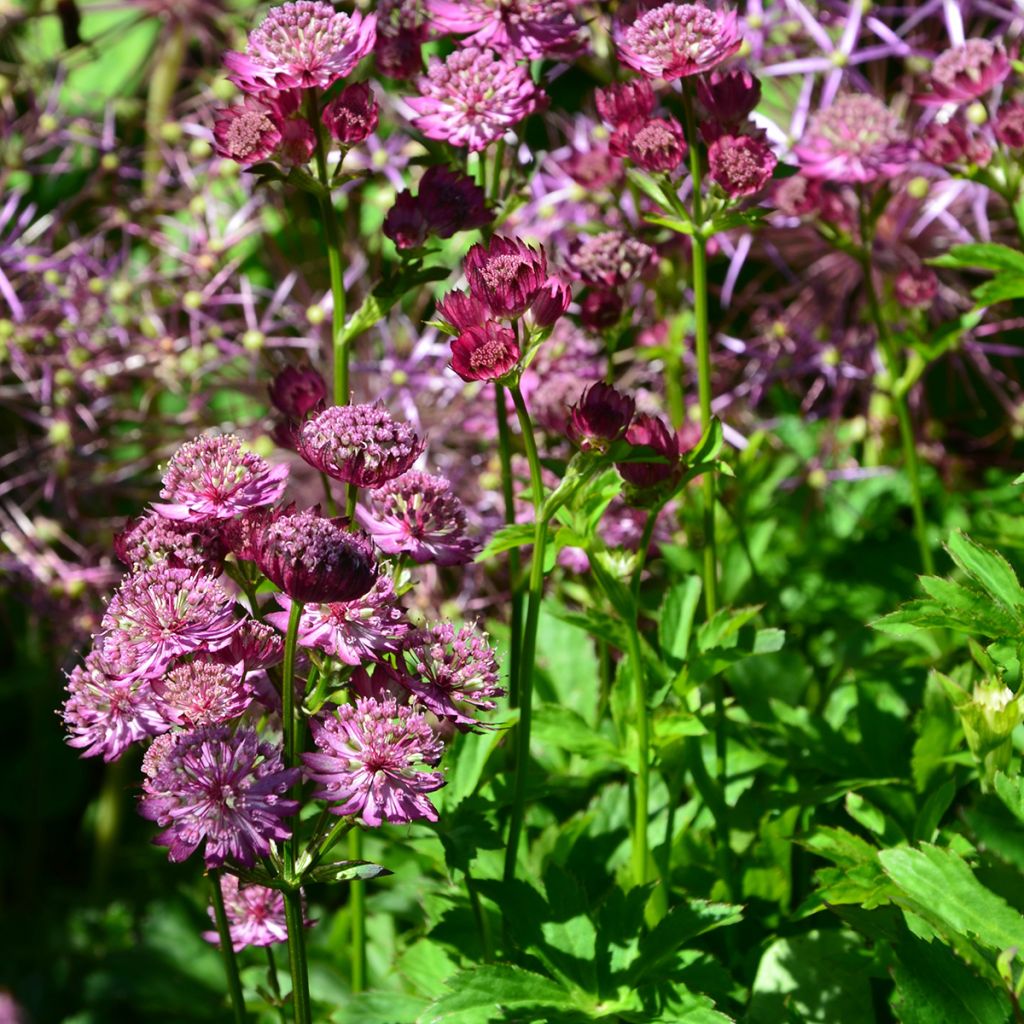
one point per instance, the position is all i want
(741, 164)
(104, 713)
(203, 692)
(374, 762)
(247, 133)
(505, 275)
(609, 259)
(524, 29)
(304, 45)
(625, 102)
(223, 789)
(728, 98)
(658, 145)
(352, 116)
(600, 417)
(406, 222)
(454, 673)
(489, 352)
(212, 477)
(473, 98)
(419, 515)
(857, 139)
(151, 538)
(355, 631)
(159, 614)
(462, 311)
(651, 439)
(1009, 125)
(359, 444)
(314, 559)
(915, 287)
(550, 303)
(965, 73)
(255, 915)
(677, 40)
(254, 645)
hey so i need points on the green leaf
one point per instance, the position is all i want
(681, 924)
(488, 992)
(988, 568)
(999, 289)
(988, 255)
(517, 535)
(677, 613)
(1011, 792)
(564, 729)
(346, 871)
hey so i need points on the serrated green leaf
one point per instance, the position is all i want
(564, 729)
(677, 614)
(681, 924)
(988, 255)
(988, 568)
(517, 535)
(484, 993)
(1000, 289)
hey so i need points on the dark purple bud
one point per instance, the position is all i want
(352, 116)
(462, 311)
(601, 308)
(1009, 125)
(915, 287)
(600, 417)
(650, 437)
(298, 391)
(728, 97)
(551, 302)
(452, 202)
(405, 224)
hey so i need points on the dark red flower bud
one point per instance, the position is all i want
(798, 195)
(625, 102)
(352, 116)
(600, 417)
(601, 308)
(485, 353)
(1009, 125)
(405, 223)
(728, 97)
(452, 202)
(298, 391)
(462, 311)
(915, 287)
(551, 302)
(945, 144)
(650, 437)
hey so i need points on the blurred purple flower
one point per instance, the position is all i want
(255, 915)
(523, 29)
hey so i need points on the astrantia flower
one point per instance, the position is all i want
(298, 391)
(727, 98)
(246, 133)
(657, 145)
(964, 73)
(353, 631)
(600, 417)
(221, 788)
(159, 614)
(915, 287)
(420, 516)
(741, 164)
(625, 102)
(473, 98)
(609, 259)
(485, 353)
(353, 114)
(255, 915)
(152, 538)
(106, 714)
(857, 139)
(401, 32)
(406, 222)
(550, 303)
(452, 202)
(254, 645)
(462, 311)
(203, 692)
(1009, 125)
(505, 275)
(301, 45)
(651, 438)
(359, 444)
(454, 673)
(525, 29)
(677, 40)
(212, 477)
(314, 559)
(374, 762)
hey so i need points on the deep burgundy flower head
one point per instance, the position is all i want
(254, 645)
(600, 417)
(741, 164)
(915, 287)
(650, 436)
(728, 97)
(297, 142)
(401, 32)
(221, 788)
(462, 311)
(857, 139)
(485, 353)
(151, 538)
(305, 45)
(625, 102)
(313, 559)
(452, 202)
(374, 762)
(473, 98)
(240, 534)
(298, 391)
(419, 515)
(104, 713)
(1009, 125)
(406, 222)
(946, 143)
(966, 72)
(363, 629)
(203, 692)
(455, 674)
(656, 145)
(505, 275)
(524, 29)
(212, 477)
(352, 116)
(159, 614)
(601, 308)
(255, 915)
(677, 40)
(247, 133)
(609, 259)
(551, 303)
(359, 444)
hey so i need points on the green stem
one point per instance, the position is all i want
(109, 817)
(297, 956)
(514, 565)
(332, 233)
(227, 949)
(162, 85)
(329, 503)
(483, 926)
(357, 908)
(641, 794)
(535, 594)
(351, 498)
(499, 160)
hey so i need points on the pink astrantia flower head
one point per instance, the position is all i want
(677, 40)
(462, 311)
(420, 516)
(104, 713)
(625, 102)
(212, 477)
(255, 915)
(223, 789)
(314, 559)
(915, 287)
(455, 674)
(254, 645)
(609, 259)
(741, 164)
(473, 98)
(374, 762)
(1009, 125)
(151, 538)
(303, 45)
(966, 72)
(203, 692)
(359, 444)
(489, 352)
(657, 145)
(355, 631)
(600, 417)
(857, 139)
(524, 29)
(505, 275)
(352, 116)
(159, 614)
(247, 132)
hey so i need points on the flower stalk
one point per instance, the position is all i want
(227, 950)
